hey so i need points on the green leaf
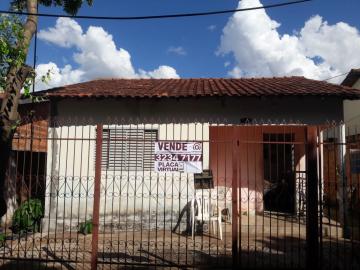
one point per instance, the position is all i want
(28, 216)
(11, 33)
(86, 227)
(2, 239)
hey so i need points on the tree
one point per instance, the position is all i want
(15, 74)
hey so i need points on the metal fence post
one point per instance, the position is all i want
(235, 213)
(342, 183)
(96, 206)
(312, 229)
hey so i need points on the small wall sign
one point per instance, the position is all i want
(178, 156)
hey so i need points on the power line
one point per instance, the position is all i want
(167, 16)
(336, 76)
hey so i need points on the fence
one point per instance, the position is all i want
(82, 195)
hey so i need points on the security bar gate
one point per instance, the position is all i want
(182, 195)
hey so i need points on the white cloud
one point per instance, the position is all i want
(211, 27)
(163, 72)
(66, 33)
(58, 76)
(318, 50)
(177, 50)
(96, 56)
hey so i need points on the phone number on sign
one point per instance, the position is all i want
(178, 157)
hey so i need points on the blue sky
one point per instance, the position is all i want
(194, 46)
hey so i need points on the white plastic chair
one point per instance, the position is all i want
(204, 213)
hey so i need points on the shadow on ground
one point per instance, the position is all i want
(25, 265)
(276, 253)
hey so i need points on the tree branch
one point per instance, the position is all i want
(30, 25)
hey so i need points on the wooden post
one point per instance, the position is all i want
(96, 206)
(235, 212)
(312, 229)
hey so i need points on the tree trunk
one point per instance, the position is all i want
(15, 80)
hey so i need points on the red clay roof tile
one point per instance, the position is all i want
(158, 88)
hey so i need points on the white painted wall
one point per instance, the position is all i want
(71, 168)
(148, 195)
(352, 114)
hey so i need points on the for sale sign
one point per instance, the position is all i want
(177, 156)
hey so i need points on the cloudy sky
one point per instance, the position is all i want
(317, 40)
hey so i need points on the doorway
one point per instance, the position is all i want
(279, 176)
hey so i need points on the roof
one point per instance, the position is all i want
(351, 78)
(159, 88)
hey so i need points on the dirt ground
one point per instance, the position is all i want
(265, 241)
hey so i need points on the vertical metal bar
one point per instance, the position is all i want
(164, 194)
(60, 151)
(247, 173)
(30, 187)
(264, 148)
(271, 172)
(79, 192)
(256, 210)
(39, 185)
(157, 211)
(312, 244)
(64, 211)
(103, 244)
(235, 215)
(343, 195)
(321, 179)
(149, 240)
(187, 136)
(329, 150)
(179, 210)
(143, 146)
(119, 186)
(87, 195)
(277, 138)
(302, 178)
(222, 145)
(343, 200)
(113, 177)
(96, 207)
(172, 201)
(357, 185)
(22, 192)
(294, 179)
(335, 211)
(72, 191)
(48, 191)
(136, 169)
(127, 135)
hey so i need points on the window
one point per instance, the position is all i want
(126, 149)
(355, 161)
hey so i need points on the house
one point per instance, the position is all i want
(352, 123)
(251, 132)
(25, 177)
(351, 107)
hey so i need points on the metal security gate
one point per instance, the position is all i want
(103, 196)
(269, 188)
(148, 218)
